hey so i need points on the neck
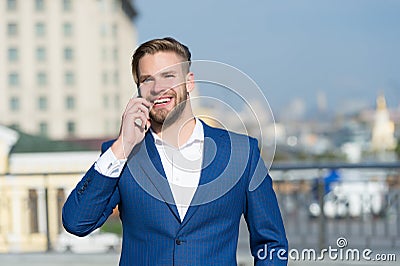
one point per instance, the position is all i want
(179, 131)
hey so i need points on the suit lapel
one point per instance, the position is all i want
(154, 181)
(149, 161)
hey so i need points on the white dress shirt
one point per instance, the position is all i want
(182, 166)
(109, 165)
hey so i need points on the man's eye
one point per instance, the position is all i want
(170, 76)
(147, 80)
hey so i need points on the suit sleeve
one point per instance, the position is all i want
(90, 203)
(268, 241)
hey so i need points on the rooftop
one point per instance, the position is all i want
(27, 143)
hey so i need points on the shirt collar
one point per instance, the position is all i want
(197, 135)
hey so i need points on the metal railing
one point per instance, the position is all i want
(362, 206)
(313, 216)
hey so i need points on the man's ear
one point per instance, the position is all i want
(190, 82)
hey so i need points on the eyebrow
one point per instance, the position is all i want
(164, 73)
(143, 77)
(168, 72)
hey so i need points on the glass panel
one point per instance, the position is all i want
(70, 103)
(43, 129)
(13, 79)
(42, 103)
(41, 78)
(68, 54)
(14, 104)
(39, 5)
(69, 78)
(12, 54)
(40, 29)
(12, 29)
(11, 5)
(67, 5)
(71, 128)
(67, 29)
(41, 54)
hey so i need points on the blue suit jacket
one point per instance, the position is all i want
(234, 181)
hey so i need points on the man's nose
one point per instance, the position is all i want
(159, 88)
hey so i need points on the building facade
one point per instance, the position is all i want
(33, 188)
(383, 128)
(65, 66)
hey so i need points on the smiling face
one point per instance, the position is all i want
(164, 82)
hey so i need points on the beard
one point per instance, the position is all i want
(167, 117)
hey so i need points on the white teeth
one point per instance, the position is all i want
(163, 100)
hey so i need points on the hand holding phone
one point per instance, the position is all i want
(139, 122)
(134, 125)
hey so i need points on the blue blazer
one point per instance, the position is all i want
(234, 182)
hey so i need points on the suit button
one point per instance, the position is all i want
(178, 242)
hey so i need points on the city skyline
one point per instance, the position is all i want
(293, 50)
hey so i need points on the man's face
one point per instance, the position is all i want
(162, 82)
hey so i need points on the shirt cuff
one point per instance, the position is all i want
(109, 165)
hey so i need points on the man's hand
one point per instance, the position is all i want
(135, 123)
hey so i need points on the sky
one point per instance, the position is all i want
(346, 51)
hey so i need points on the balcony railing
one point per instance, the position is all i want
(322, 202)
(363, 205)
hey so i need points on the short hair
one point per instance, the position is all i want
(167, 44)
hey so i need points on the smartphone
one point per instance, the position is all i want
(138, 121)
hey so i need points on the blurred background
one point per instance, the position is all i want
(330, 71)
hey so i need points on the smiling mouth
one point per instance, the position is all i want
(162, 101)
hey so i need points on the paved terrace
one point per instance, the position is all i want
(63, 259)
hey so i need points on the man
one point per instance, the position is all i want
(181, 186)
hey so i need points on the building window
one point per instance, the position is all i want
(12, 29)
(69, 78)
(40, 29)
(14, 104)
(116, 5)
(12, 54)
(106, 101)
(68, 54)
(11, 5)
(71, 128)
(67, 29)
(102, 5)
(67, 5)
(70, 103)
(104, 77)
(13, 79)
(42, 103)
(43, 128)
(41, 79)
(115, 54)
(116, 77)
(103, 30)
(40, 54)
(39, 5)
(114, 30)
(33, 211)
